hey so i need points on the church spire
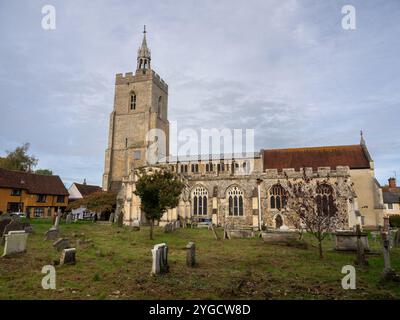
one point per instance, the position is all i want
(362, 140)
(144, 55)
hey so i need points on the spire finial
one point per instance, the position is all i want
(362, 141)
(144, 29)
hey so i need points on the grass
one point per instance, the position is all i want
(115, 263)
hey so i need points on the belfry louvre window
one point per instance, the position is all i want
(235, 198)
(133, 101)
(277, 197)
(324, 199)
(200, 195)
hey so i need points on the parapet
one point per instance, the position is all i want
(309, 172)
(129, 77)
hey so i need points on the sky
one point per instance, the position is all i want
(286, 69)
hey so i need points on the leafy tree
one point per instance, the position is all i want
(19, 159)
(99, 201)
(306, 210)
(44, 172)
(159, 190)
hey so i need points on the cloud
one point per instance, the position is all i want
(284, 68)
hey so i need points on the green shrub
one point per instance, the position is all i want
(394, 221)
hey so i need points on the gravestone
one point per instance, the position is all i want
(14, 225)
(58, 218)
(167, 228)
(68, 219)
(191, 254)
(361, 260)
(15, 242)
(28, 228)
(52, 233)
(68, 256)
(112, 216)
(388, 273)
(397, 238)
(160, 259)
(136, 225)
(3, 224)
(61, 244)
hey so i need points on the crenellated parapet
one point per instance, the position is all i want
(321, 172)
(130, 77)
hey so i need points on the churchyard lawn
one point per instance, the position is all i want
(115, 263)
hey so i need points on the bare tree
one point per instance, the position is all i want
(319, 207)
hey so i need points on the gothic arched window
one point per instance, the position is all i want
(235, 199)
(325, 203)
(277, 197)
(133, 101)
(159, 106)
(200, 195)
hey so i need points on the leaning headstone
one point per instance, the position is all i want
(68, 219)
(14, 225)
(191, 254)
(68, 256)
(61, 244)
(15, 242)
(52, 234)
(160, 259)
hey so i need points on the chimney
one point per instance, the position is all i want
(84, 181)
(392, 182)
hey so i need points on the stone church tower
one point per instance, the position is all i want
(140, 105)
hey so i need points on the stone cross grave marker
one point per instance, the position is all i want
(15, 242)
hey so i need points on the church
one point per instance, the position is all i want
(246, 190)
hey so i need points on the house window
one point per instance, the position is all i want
(209, 167)
(38, 212)
(16, 192)
(200, 195)
(133, 101)
(60, 199)
(41, 198)
(235, 198)
(390, 206)
(137, 155)
(325, 203)
(277, 197)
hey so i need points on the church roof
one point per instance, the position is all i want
(353, 156)
(33, 183)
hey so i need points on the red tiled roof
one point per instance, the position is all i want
(33, 183)
(86, 189)
(353, 156)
